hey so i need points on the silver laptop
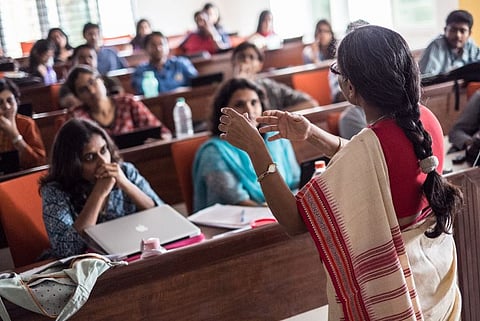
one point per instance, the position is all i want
(123, 235)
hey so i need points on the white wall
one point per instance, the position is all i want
(176, 17)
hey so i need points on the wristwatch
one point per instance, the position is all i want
(272, 168)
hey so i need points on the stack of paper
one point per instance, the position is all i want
(230, 216)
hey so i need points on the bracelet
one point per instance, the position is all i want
(17, 139)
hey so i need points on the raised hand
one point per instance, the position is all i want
(288, 125)
(238, 130)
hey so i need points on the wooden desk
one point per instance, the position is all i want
(199, 99)
(260, 274)
(440, 99)
(467, 240)
(40, 96)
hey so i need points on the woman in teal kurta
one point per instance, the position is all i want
(223, 173)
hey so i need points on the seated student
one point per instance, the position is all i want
(467, 125)
(88, 183)
(85, 55)
(171, 72)
(453, 49)
(205, 38)
(143, 29)
(40, 61)
(116, 114)
(222, 173)
(265, 37)
(247, 61)
(107, 58)
(63, 49)
(18, 132)
(325, 45)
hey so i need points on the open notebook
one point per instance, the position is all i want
(123, 235)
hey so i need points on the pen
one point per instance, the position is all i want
(242, 216)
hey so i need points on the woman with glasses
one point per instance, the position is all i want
(88, 183)
(381, 215)
(116, 114)
(18, 132)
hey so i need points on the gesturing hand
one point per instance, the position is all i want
(238, 130)
(288, 125)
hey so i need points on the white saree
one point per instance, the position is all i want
(376, 271)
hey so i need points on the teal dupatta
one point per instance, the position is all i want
(239, 164)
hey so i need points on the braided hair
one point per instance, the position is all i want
(385, 74)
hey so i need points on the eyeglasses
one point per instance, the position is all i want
(334, 69)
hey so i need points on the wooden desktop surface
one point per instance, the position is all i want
(260, 274)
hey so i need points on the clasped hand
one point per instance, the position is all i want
(107, 175)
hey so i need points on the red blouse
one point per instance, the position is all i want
(406, 177)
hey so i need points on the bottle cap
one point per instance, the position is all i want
(180, 99)
(320, 164)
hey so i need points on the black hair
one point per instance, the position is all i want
(88, 26)
(149, 37)
(460, 16)
(244, 46)
(40, 47)
(57, 49)
(394, 85)
(66, 158)
(332, 46)
(139, 23)
(209, 6)
(7, 84)
(263, 15)
(78, 48)
(74, 73)
(223, 95)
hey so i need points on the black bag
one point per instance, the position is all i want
(473, 151)
(469, 72)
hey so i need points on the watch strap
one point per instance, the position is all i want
(267, 172)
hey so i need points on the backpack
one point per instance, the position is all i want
(56, 290)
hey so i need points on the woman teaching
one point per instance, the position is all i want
(380, 215)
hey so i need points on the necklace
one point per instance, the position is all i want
(378, 120)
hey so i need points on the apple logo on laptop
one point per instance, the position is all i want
(141, 228)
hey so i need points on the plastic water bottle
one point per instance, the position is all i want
(320, 167)
(182, 116)
(149, 84)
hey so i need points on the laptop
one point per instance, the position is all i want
(203, 80)
(9, 162)
(123, 235)
(307, 168)
(137, 137)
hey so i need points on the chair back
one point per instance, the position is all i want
(22, 219)
(315, 83)
(472, 87)
(183, 154)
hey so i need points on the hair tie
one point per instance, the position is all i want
(429, 164)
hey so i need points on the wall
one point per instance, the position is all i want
(176, 17)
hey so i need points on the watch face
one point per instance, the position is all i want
(272, 168)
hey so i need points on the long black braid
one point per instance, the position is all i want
(385, 74)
